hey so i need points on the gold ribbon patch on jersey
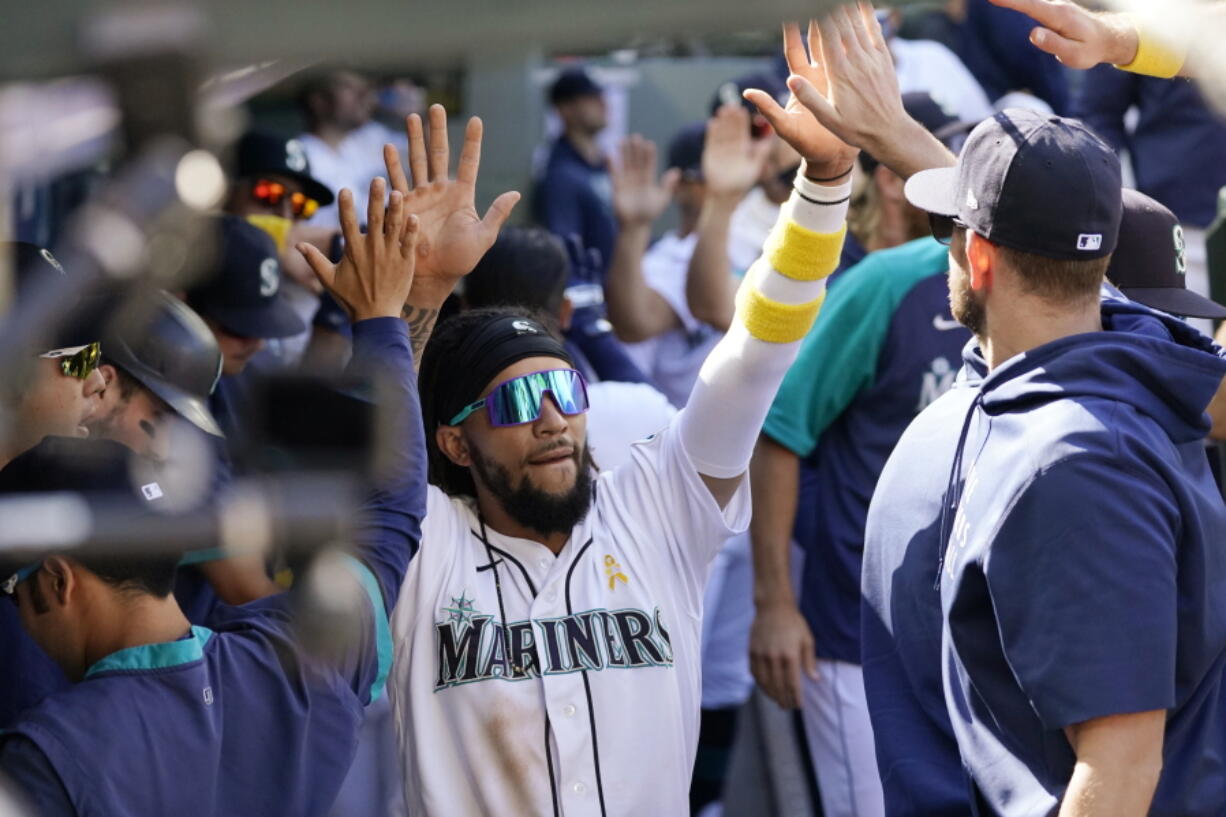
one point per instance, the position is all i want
(614, 571)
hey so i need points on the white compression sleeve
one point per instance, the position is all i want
(737, 384)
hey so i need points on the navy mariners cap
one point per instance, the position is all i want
(1150, 263)
(33, 266)
(168, 349)
(244, 292)
(1033, 182)
(571, 84)
(685, 150)
(260, 153)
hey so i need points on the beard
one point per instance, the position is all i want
(964, 305)
(537, 510)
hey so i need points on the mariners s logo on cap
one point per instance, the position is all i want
(1181, 250)
(295, 156)
(525, 328)
(270, 277)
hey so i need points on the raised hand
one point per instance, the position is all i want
(826, 155)
(732, 160)
(1077, 37)
(638, 197)
(452, 235)
(374, 277)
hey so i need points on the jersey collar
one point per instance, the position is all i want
(147, 657)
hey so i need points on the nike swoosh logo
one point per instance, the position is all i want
(943, 324)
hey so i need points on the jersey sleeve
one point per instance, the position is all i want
(837, 359)
(38, 783)
(1082, 580)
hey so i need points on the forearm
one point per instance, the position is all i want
(238, 579)
(390, 526)
(908, 149)
(420, 317)
(775, 310)
(708, 286)
(636, 311)
(775, 475)
(1119, 761)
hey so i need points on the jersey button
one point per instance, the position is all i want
(569, 710)
(578, 788)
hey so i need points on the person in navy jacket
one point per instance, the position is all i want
(234, 718)
(1082, 649)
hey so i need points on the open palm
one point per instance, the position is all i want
(452, 234)
(794, 122)
(638, 197)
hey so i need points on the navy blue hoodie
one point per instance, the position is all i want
(1092, 440)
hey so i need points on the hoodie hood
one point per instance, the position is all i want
(1145, 358)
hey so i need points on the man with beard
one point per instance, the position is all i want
(547, 646)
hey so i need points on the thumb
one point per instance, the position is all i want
(767, 105)
(500, 211)
(324, 270)
(670, 179)
(817, 104)
(1069, 52)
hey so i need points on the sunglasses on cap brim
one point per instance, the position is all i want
(76, 361)
(9, 587)
(943, 227)
(272, 193)
(518, 400)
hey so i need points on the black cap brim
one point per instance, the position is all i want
(1175, 301)
(188, 406)
(312, 187)
(275, 320)
(934, 191)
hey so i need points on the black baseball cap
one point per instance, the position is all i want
(921, 107)
(168, 349)
(733, 91)
(244, 292)
(1033, 182)
(685, 150)
(1150, 263)
(34, 267)
(571, 84)
(260, 153)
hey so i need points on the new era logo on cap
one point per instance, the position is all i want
(1090, 242)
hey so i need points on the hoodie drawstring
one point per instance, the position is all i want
(953, 490)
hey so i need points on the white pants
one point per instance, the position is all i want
(840, 738)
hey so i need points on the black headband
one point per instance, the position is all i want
(489, 349)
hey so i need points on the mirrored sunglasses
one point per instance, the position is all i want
(272, 193)
(77, 361)
(518, 401)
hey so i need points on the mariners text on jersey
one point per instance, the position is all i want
(474, 647)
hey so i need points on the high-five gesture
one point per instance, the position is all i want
(453, 236)
(732, 160)
(374, 277)
(826, 155)
(1077, 37)
(638, 197)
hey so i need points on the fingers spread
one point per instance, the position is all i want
(439, 149)
(794, 48)
(408, 239)
(499, 212)
(417, 151)
(349, 218)
(320, 265)
(767, 105)
(394, 224)
(395, 170)
(374, 208)
(470, 154)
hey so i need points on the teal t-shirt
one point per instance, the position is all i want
(883, 349)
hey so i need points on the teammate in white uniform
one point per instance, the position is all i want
(547, 638)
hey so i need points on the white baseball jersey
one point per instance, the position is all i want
(529, 684)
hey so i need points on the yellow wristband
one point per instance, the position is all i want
(1155, 58)
(773, 321)
(801, 254)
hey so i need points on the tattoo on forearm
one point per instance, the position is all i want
(421, 324)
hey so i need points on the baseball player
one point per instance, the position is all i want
(233, 718)
(547, 643)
